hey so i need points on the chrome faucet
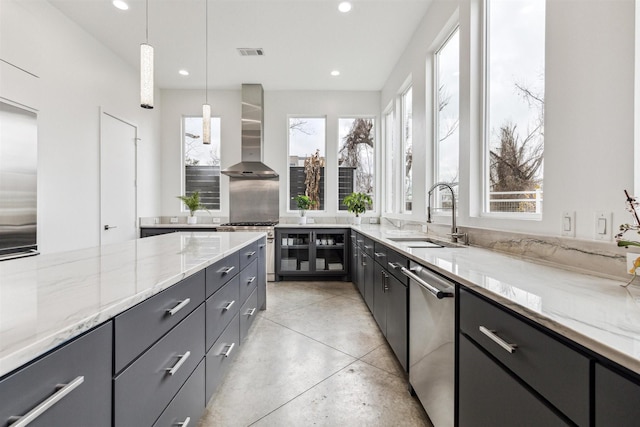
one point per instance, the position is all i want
(454, 229)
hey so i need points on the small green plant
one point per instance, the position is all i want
(303, 202)
(192, 202)
(357, 203)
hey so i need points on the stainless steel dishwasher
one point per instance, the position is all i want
(431, 342)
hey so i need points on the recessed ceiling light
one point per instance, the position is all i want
(120, 4)
(344, 7)
(335, 73)
(183, 72)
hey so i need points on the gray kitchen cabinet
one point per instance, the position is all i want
(616, 398)
(368, 278)
(353, 264)
(262, 273)
(220, 356)
(489, 396)
(380, 283)
(160, 372)
(187, 407)
(306, 252)
(83, 366)
(137, 329)
(248, 280)
(221, 272)
(222, 307)
(248, 314)
(556, 374)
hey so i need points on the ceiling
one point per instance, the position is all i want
(303, 40)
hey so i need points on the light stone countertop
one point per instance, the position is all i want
(594, 312)
(46, 300)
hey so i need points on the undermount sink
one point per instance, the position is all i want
(423, 242)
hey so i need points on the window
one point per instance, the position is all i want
(514, 127)
(407, 131)
(391, 169)
(355, 158)
(202, 162)
(307, 160)
(447, 118)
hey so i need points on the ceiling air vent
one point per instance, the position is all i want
(251, 51)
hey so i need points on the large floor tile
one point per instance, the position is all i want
(384, 358)
(359, 395)
(274, 365)
(286, 296)
(342, 323)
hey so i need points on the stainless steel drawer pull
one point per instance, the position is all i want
(229, 349)
(228, 306)
(395, 265)
(360, 241)
(185, 423)
(368, 247)
(511, 348)
(32, 415)
(251, 312)
(181, 304)
(251, 279)
(379, 254)
(262, 246)
(226, 270)
(250, 254)
(183, 358)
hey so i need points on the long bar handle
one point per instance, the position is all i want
(185, 423)
(250, 254)
(229, 349)
(32, 415)
(434, 291)
(251, 312)
(226, 270)
(511, 348)
(379, 254)
(368, 247)
(183, 358)
(181, 304)
(262, 245)
(228, 306)
(251, 279)
(394, 265)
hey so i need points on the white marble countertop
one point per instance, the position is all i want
(180, 225)
(46, 300)
(596, 313)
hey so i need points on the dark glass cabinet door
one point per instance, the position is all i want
(295, 251)
(305, 252)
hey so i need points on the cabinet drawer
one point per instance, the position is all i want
(221, 271)
(380, 253)
(144, 389)
(248, 254)
(248, 280)
(395, 262)
(489, 396)
(139, 327)
(616, 399)
(221, 308)
(248, 313)
(556, 371)
(188, 403)
(85, 364)
(221, 355)
(368, 246)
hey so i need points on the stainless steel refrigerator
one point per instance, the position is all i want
(18, 181)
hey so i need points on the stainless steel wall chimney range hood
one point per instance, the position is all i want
(251, 166)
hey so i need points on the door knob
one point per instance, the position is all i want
(108, 227)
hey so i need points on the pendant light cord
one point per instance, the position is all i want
(206, 52)
(147, 23)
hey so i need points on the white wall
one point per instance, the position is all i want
(77, 76)
(278, 106)
(589, 117)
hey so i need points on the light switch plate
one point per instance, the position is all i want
(568, 223)
(602, 225)
(311, 220)
(174, 220)
(216, 220)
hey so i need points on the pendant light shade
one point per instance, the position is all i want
(206, 124)
(146, 67)
(146, 75)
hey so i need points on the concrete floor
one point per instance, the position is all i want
(314, 357)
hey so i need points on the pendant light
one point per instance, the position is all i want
(146, 68)
(206, 108)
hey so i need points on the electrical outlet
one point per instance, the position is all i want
(311, 220)
(569, 223)
(174, 220)
(373, 220)
(632, 259)
(602, 226)
(216, 220)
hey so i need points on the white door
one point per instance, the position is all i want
(117, 180)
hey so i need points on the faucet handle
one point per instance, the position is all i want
(465, 237)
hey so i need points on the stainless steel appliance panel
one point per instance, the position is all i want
(18, 180)
(431, 343)
(254, 200)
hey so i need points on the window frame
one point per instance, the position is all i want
(390, 163)
(403, 151)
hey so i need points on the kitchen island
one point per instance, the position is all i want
(134, 313)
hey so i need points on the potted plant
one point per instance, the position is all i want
(192, 203)
(304, 203)
(357, 203)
